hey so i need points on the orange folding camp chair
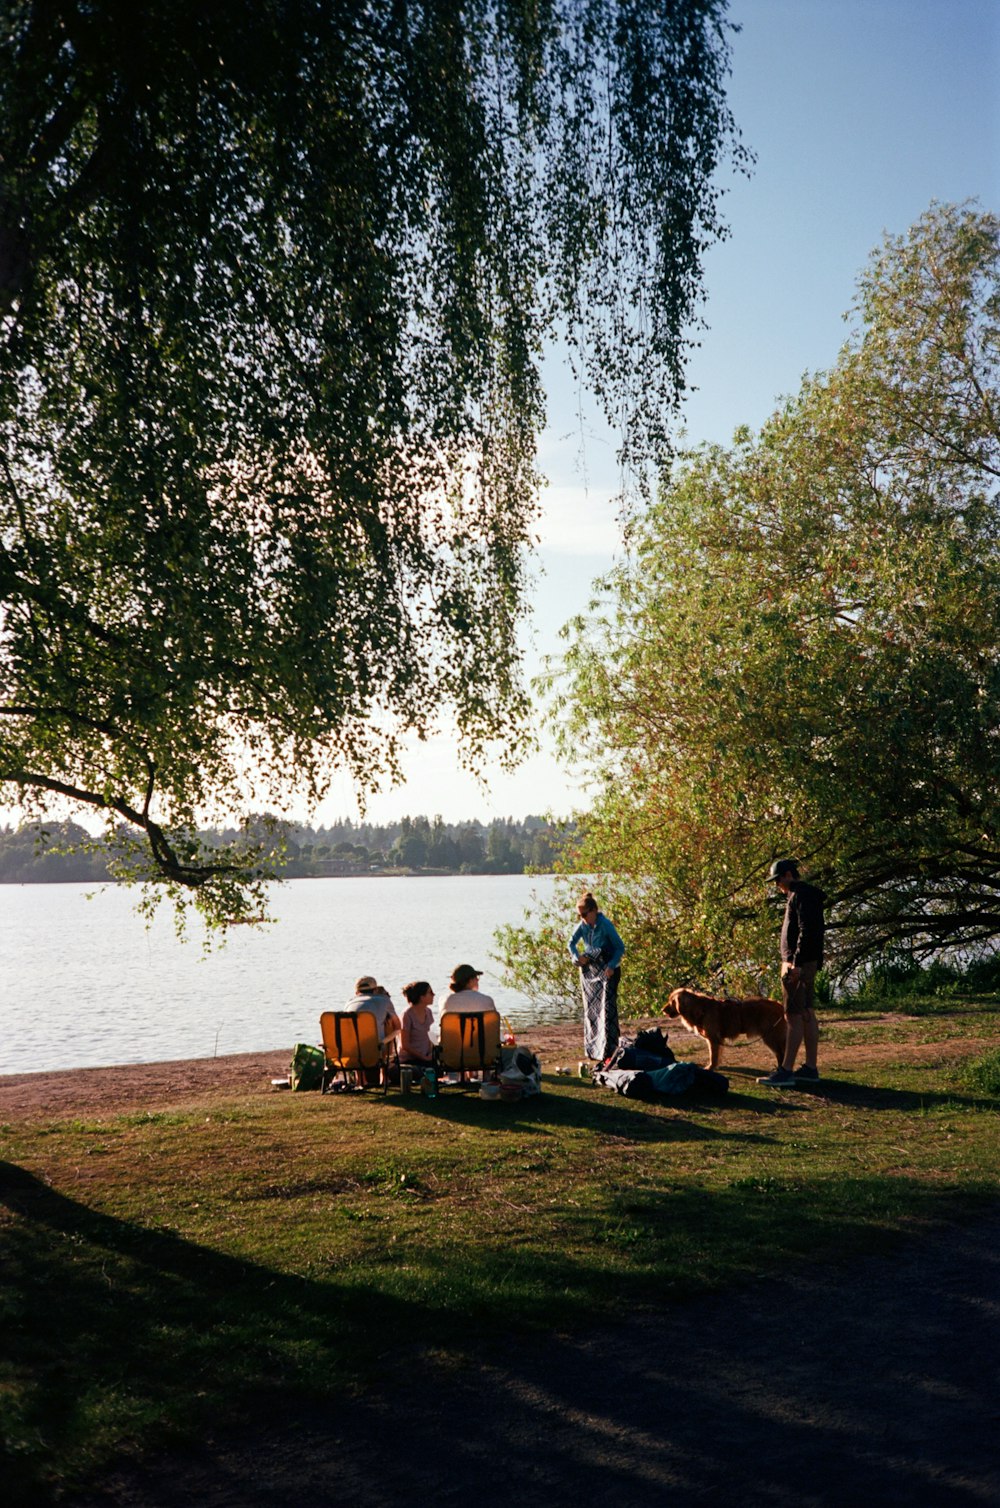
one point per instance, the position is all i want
(352, 1050)
(470, 1043)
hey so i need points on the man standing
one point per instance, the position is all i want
(801, 960)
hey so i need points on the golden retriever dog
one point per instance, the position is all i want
(721, 1021)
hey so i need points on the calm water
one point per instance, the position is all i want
(85, 983)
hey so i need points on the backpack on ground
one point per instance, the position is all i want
(521, 1067)
(648, 1051)
(306, 1070)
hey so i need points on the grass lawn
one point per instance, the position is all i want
(166, 1270)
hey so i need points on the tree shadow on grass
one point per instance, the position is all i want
(869, 1395)
(115, 1332)
(122, 1337)
(119, 1335)
(854, 1095)
(600, 1111)
(877, 1097)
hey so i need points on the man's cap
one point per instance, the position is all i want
(366, 985)
(781, 867)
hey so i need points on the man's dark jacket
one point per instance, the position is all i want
(802, 928)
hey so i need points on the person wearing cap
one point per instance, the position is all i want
(465, 992)
(801, 960)
(370, 996)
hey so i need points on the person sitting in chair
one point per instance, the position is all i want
(370, 996)
(415, 1046)
(465, 993)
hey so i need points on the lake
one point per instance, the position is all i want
(86, 983)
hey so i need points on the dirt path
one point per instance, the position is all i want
(99, 1092)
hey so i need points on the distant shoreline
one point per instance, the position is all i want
(55, 852)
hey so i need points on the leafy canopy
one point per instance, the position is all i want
(801, 656)
(274, 281)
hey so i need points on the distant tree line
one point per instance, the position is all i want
(64, 851)
(35, 853)
(413, 844)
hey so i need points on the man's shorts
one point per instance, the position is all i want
(800, 997)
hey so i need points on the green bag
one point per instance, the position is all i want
(306, 1070)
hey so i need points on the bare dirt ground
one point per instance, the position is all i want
(98, 1092)
(875, 1381)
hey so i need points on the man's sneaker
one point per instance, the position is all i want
(807, 1072)
(781, 1078)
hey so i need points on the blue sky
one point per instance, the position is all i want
(860, 112)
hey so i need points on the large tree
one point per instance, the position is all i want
(274, 281)
(802, 656)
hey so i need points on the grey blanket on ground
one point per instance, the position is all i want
(648, 1084)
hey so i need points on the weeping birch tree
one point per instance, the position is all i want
(274, 283)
